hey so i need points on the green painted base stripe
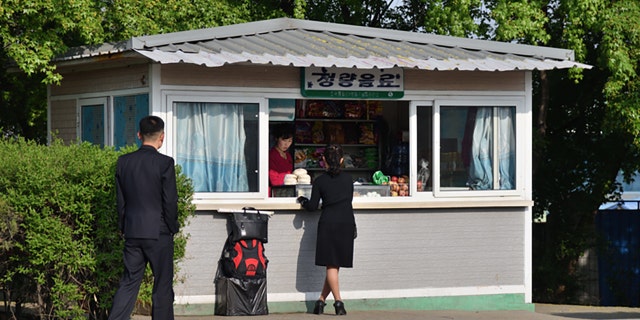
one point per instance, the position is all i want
(466, 303)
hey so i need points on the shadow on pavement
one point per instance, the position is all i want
(598, 315)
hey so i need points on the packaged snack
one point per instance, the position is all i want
(317, 133)
(316, 155)
(354, 110)
(351, 132)
(300, 158)
(366, 134)
(301, 109)
(315, 109)
(334, 132)
(374, 109)
(303, 132)
(332, 110)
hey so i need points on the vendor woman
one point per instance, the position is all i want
(280, 158)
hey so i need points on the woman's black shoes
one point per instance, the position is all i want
(339, 308)
(319, 308)
(339, 305)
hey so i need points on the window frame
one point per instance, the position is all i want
(172, 97)
(107, 100)
(112, 118)
(413, 148)
(106, 117)
(470, 101)
(435, 196)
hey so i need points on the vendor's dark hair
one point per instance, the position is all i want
(282, 131)
(333, 155)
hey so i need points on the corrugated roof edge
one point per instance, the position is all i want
(95, 50)
(279, 24)
(150, 42)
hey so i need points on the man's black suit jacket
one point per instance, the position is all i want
(146, 194)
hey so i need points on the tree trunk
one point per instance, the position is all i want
(544, 103)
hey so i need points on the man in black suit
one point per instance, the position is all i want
(148, 218)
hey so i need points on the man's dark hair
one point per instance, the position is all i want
(150, 126)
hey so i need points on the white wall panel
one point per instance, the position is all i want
(401, 250)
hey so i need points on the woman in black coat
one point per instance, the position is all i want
(336, 227)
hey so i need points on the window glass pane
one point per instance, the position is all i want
(282, 109)
(425, 148)
(216, 145)
(127, 112)
(477, 148)
(455, 126)
(92, 117)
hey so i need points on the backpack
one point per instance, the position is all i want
(244, 259)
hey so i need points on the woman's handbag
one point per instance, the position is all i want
(246, 226)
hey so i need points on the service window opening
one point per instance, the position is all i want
(373, 133)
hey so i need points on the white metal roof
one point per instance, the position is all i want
(303, 43)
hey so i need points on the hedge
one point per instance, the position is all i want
(59, 246)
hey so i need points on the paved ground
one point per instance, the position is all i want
(542, 312)
(586, 312)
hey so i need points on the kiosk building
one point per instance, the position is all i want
(447, 120)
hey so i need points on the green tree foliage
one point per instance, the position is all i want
(163, 16)
(600, 111)
(370, 13)
(459, 18)
(23, 106)
(58, 228)
(33, 32)
(520, 21)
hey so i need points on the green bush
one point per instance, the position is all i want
(60, 248)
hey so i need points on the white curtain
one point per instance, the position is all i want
(480, 170)
(506, 148)
(481, 165)
(210, 146)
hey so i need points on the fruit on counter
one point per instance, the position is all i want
(398, 189)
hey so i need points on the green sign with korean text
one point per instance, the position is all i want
(351, 83)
